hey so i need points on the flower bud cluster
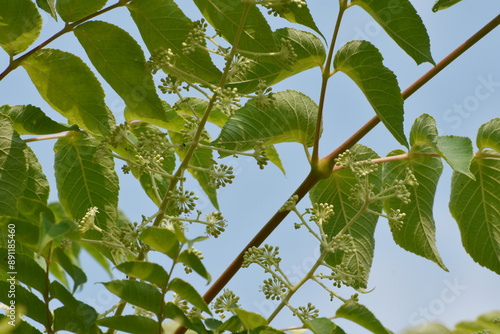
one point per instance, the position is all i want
(184, 200)
(308, 312)
(227, 100)
(221, 175)
(161, 58)
(264, 98)
(190, 129)
(290, 204)
(260, 154)
(279, 7)
(274, 289)
(225, 302)
(320, 213)
(88, 221)
(216, 224)
(195, 37)
(266, 256)
(239, 67)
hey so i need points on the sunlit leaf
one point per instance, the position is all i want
(49, 6)
(249, 319)
(130, 323)
(187, 292)
(137, 293)
(32, 120)
(162, 240)
(147, 271)
(70, 87)
(443, 4)
(74, 10)
(362, 316)
(192, 261)
(20, 25)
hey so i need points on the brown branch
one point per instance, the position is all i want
(313, 177)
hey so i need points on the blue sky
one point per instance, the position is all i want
(409, 290)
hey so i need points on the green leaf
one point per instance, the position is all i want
(202, 157)
(362, 62)
(336, 190)
(48, 6)
(22, 327)
(187, 292)
(30, 120)
(187, 105)
(162, 240)
(488, 135)
(443, 4)
(13, 167)
(417, 234)
(73, 270)
(173, 312)
(137, 293)
(474, 205)
(121, 62)
(402, 23)
(37, 186)
(429, 329)
(193, 261)
(323, 326)
(49, 230)
(175, 121)
(26, 233)
(225, 16)
(70, 87)
(360, 315)
(130, 323)
(274, 157)
(249, 319)
(74, 10)
(293, 119)
(310, 54)
(147, 271)
(76, 316)
(20, 25)
(457, 151)
(83, 183)
(26, 269)
(163, 25)
(33, 306)
(300, 15)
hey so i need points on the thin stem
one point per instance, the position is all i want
(15, 63)
(325, 76)
(54, 136)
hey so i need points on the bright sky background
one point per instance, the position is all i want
(409, 290)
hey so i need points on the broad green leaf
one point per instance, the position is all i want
(190, 105)
(310, 53)
(26, 269)
(274, 157)
(70, 87)
(202, 157)
(232, 324)
(362, 62)
(49, 6)
(37, 186)
(121, 62)
(22, 327)
(323, 326)
(193, 261)
(83, 183)
(402, 23)
(163, 25)
(73, 270)
(336, 190)
(30, 120)
(225, 16)
(429, 329)
(130, 324)
(137, 293)
(172, 311)
(146, 271)
(293, 119)
(26, 233)
(75, 316)
(20, 25)
(457, 151)
(249, 319)
(59, 273)
(417, 234)
(33, 306)
(187, 292)
(13, 167)
(443, 4)
(162, 240)
(300, 15)
(49, 230)
(74, 10)
(359, 314)
(31, 210)
(488, 135)
(474, 205)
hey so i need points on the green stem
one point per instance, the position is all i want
(325, 76)
(15, 63)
